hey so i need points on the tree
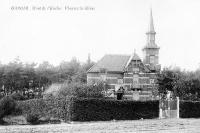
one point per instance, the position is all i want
(183, 84)
(69, 70)
(171, 79)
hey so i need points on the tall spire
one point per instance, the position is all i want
(151, 33)
(151, 25)
(151, 50)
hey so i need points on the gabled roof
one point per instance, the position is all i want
(111, 63)
(115, 63)
(133, 57)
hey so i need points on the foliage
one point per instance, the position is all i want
(185, 85)
(7, 106)
(102, 110)
(20, 77)
(79, 109)
(81, 90)
(189, 109)
(33, 118)
(17, 96)
(51, 107)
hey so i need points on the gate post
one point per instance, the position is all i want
(177, 107)
(160, 113)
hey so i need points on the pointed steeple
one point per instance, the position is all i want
(151, 25)
(151, 33)
(151, 50)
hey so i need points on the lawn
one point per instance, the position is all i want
(155, 125)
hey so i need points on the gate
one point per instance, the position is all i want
(169, 108)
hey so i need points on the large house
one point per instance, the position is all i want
(137, 76)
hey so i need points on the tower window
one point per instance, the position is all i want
(152, 59)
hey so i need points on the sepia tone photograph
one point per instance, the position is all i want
(99, 66)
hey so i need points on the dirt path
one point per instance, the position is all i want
(156, 125)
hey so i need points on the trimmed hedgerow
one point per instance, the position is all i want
(103, 110)
(189, 109)
(49, 108)
(73, 109)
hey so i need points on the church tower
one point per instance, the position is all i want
(151, 50)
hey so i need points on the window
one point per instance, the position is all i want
(151, 81)
(103, 77)
(135, 79)
(152, 59)
(120, 81)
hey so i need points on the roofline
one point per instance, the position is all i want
(108, 72)
(91, 68)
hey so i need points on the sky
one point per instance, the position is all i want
(99, 27)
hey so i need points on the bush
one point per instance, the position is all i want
(189, 109)
(79, 109)
(103, 110)
(33, 118)
(47, 108)
(7, 106)
(79, 90)
(17, 96)
(1, 96)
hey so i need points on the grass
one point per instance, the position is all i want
(153, 125)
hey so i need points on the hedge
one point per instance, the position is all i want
(73, 109)
(103, 110)
(49, 108)
(189, 109)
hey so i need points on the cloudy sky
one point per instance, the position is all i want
(98, 27)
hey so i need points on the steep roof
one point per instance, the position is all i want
(133, 57)
(111, 63)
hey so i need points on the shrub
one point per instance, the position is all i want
(33, 118)
(7, 106)
(17, 96)
(81, 109)
(79, 90)
(101, 110)
(50, 107)
(189, 109)
(1, 96)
